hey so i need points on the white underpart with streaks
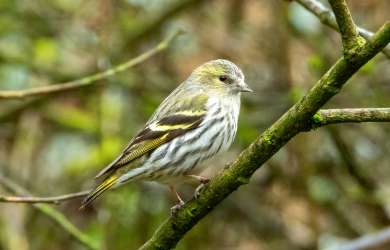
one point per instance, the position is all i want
(215, 134)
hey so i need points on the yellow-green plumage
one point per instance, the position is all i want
(105, 185)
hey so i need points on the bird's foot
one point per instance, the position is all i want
(203, 182)
(176, 208)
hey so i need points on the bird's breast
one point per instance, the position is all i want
(183, 154)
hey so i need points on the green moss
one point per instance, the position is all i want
(243, 180)
(317, 119)
(190, 212)
(267, 139)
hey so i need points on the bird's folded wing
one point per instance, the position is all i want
(155, 134)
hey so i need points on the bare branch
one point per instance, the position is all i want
(326, 16)
(54, 214)
(52, 200)
(88, 80)
(347, 27)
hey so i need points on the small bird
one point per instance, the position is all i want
(195, 122)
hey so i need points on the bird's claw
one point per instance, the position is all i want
(199, 189)
(175, 209)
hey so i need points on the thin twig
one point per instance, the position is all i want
(88, 80)
(347, 27)
(51, 200)
(326, 16)
(54, 214)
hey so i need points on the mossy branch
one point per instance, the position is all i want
(349, 34)
(334, 116)
(326, 16)
(298, 118)
(89, 80)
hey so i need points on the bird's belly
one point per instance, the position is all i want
(182, 155)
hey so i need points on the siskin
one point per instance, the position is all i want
(195, 122)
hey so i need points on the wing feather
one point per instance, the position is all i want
(157, 132)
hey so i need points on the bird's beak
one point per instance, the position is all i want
(244, 87)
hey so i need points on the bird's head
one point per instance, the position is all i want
(221, 75)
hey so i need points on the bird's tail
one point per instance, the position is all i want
(100, 189)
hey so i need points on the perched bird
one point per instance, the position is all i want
(195, 122)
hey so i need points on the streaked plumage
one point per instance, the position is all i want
(195, 122)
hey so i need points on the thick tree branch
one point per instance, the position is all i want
(298, 118)
(53, 214)
(326, 16)
(88, 80)
(52, 200)
(349, 34)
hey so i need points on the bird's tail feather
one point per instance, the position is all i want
(104, 186)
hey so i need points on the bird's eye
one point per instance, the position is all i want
(223, 78)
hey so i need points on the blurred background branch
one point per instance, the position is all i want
(59, 218)
(88, 80)
(53, 200)
(376, 240)
(155, 24)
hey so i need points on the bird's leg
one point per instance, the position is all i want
(180, 201)
(203, 182)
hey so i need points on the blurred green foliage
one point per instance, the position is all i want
(55, 145)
